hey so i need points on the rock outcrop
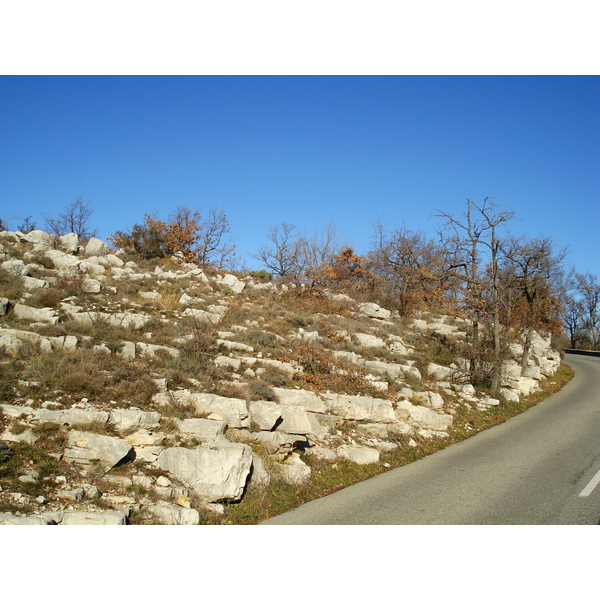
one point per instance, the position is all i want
(185, 393)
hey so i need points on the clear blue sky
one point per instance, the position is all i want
(306, 150)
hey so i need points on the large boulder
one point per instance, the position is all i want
(216, 473)
(89, 450)
(374, 311)
(96, 247)
(232, 282)
(41, 239)
(69, 243)
(13, 266)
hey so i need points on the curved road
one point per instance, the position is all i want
(540, 467)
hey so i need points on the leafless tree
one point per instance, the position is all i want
(588, 291)
(74, 219)
(281, 255)
(537, 276)
(474, 250)
(408, 268)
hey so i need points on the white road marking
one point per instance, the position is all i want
(589, 488)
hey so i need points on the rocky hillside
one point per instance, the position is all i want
(152, 391)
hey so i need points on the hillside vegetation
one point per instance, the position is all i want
(157, 389)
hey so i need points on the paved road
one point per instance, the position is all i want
(537, 468)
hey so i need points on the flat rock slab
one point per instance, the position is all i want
(358, 454)
(359, 408)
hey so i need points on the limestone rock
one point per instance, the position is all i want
(125, 419)
(304, 398)
(265, 415)
(367, 340)
(13, 266)
(374, 311)
(113, 517)
(72, 416)
(232, 282)
(358, 408)
(69, 243)
(39, 315)
(96, 247)
(216, 473)
(202, 429)
(40, 239)
(425, 417)
(233, 411)
(170, 515)
(85, 449)
(359, 454)
(293, 471)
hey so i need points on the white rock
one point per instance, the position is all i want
(358, 408)
(202, 429)
(13, 266)
(265, 415)
(96, 247)
(370, 309)
(368, 341)
(39, 315)
(425, 417)
(114, 517)
(124, 419)
(232, 282)
(217, 473)
(293, 471)
(304, 398)
(41, 239)
(69, 243)
(91, 286)
(85, 448)
(359, 454)
(72, 416)
(168, 515)
(232, 410)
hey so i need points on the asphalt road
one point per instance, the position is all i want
(539, 467)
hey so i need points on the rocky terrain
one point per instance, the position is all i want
(153, 391)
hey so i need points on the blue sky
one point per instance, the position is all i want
(307, 150)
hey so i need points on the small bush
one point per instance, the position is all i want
(262, 275)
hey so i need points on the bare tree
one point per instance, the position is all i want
(408, 268)
(74, 219)
(27, 225)
(315, 252)
(536, 274)
(588, 290)
(281, 255)
(474, 252)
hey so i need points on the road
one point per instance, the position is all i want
(540, 467)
